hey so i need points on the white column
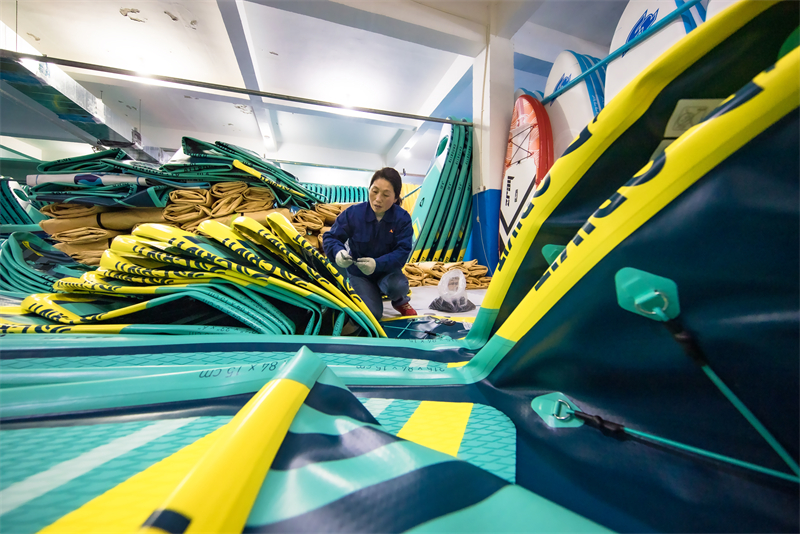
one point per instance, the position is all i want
(492, 103)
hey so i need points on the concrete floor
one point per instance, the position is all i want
(421, 298)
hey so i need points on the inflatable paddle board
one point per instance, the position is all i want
(638, 16)
(429, 202)
(463, 200)
(714, 7)
(573, 110)
(429, 187)
(528, 158)
(444, 204)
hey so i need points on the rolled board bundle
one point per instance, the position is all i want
(637, 18)
(16, 209)
(574, 109)
(342, 194)
(528, 158)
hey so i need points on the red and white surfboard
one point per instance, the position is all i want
(528, 158)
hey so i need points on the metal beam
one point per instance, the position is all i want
(23, 100)
(235, 20)
(218, 87)
(272, 107)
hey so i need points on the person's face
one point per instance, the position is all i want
(381, 196)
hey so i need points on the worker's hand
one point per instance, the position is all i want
(343, 259)
(366, 265)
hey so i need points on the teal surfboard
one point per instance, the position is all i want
(464, 208)
(443, 201)
(429, 187)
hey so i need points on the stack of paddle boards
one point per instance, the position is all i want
(28, 264)
(637, 18)
(246, 277)
(570, 112)
(528, 158)
(109, 178)
(442, 214)
(15, 208)
(339, 194)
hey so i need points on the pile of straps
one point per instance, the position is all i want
(430, 272)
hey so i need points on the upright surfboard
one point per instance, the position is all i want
(528, 158)
(431, 182)
(432, 202)
(462, 204)
(639, 15)
(570, 112)
(444, 204)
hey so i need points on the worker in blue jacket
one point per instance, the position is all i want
(372, 240)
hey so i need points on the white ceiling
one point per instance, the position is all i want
(398, 55)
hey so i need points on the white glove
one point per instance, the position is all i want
(343, 259)
(366, 265)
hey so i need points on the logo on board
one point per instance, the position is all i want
(564, 80)
(508, 190)
(644, 22)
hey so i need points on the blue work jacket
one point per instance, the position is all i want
(387, 241)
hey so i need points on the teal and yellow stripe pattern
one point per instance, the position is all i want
(296, 456)
(476, 433)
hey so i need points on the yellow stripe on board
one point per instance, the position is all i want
(438, 425)
(212, 483)
(220, 491)
(125, 507)
(12, 310)
(457, 364)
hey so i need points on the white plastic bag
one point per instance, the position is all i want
(452, 293)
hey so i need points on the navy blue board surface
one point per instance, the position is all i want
(730, 244)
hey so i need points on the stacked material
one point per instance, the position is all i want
(120, 194)
(246, 276)
(30, 265)
(429, 273)
(84, 231)
(441, 218)
(108, 178)
(188, 208)
(343, 194)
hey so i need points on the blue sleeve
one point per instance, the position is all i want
(333, 240)
(396, 259)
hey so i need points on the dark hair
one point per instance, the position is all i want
(393, 177)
